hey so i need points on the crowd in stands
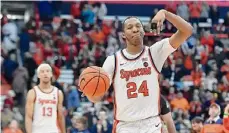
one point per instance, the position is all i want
(194, 79)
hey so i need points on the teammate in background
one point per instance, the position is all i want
(166, 116)
(44, 105)
(134, 73)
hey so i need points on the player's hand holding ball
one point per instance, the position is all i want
(158, 20)
(93, 82)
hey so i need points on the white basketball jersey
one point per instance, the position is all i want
(136, 87)
(45, 111)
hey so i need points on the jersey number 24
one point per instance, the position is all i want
(132, 90)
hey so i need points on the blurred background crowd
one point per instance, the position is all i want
(73, 35)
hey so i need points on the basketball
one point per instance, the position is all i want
(93, 81)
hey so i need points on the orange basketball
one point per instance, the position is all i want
(94, 81)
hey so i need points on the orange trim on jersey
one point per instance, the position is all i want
(115, 71)
(122, 54)
(115, 67)
(159, 97)
(115, 126)
(115, 105)
(151, 59)
(46, 92)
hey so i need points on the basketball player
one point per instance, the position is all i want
(44, 105)
(134, 72)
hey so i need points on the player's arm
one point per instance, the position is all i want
(184, 29)
(166, 115)
(60, 116)
(29, 107)
(108, 67)
(167, 118)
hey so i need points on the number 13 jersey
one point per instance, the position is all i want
(45, 111)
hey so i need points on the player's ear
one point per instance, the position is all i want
(38, 75)
(123, 36)
(143, 33)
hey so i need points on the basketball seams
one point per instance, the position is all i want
(97, 84)
(91, 86)
(104, 83)
(88, 82)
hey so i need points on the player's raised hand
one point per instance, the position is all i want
(159, 18)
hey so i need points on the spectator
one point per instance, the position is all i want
(180, 70)
(183, 11)
(112, 44)
(182, 123)
(10, 37)
(214, 14)
(86, 56)
(88, 15)
(197, 74)
(38, 55)
(197, 125)
(80, 125)
(97, 35)
(167, 71)
(210, 80)
(102, 125)
(172, 94)
(100, 11)
(6, 116)
(9, 100)
(24, 43)
(214, 122)
(31, 66)
(9, 66)
(75, 10)
(19, 84)
(69, 51)
(188, 47)
(180, 102)
(208, 40)
(12, 128)
(171, 7)
(214, 113)
(117, 24)
(72, 98)
(195, 9)
(205, 10)
(195, 106)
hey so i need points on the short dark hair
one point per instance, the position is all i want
(197, 119)
(124, 21)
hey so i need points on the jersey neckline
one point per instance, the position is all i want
(135, 57)
(46, 92)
